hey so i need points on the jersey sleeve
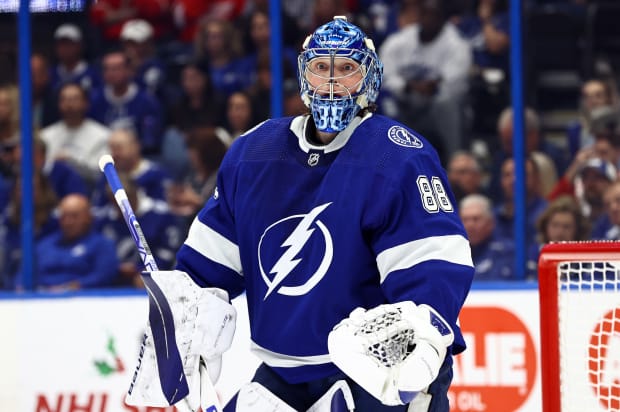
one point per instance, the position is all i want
(210, 253)
(423, 253)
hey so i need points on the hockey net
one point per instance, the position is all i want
(579, 285)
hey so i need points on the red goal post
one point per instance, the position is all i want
(579, 293)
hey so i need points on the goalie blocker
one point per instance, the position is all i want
(188, 330)
(393, 351)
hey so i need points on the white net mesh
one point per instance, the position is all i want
(589, 326)
(389, 338)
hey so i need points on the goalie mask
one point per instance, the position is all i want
(339, 74)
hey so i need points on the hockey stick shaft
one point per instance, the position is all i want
(106, 164)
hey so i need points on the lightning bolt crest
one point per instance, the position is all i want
(295, 242)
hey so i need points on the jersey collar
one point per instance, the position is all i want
(300, 123)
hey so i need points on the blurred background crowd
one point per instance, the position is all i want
(166, 86)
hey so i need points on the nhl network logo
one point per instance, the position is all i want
(292, 234)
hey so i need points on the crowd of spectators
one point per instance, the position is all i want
(169, 86)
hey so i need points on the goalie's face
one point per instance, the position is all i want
(333, 87)
(334, 77)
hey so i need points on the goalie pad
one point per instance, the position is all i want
(337, 399)
(254, 397)
(186, 324)
(393, 351)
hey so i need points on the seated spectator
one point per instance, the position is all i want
(138, 44)
(121, 103)
(380, 18)
(426, 68)
(561, 221)
(258, 33)
(188, 14)
(63, 178)
(566, 184)
(44, 98)
(148, 175)
(465, 174)
(260, 90)
(487, 29)
(292, 34)
(199, 104)
(159, 227)
(5, 189)
(44, 223)
(298, 10)
(586, 180)
(9, 131)
(595, 94)
(206, 151)
(324, 11)
(293, 104)
(108, 17)
(550, 159)
(9, 158)
(610, 230)
(592, 183)
(9, 112)
(535, 204)
(71, 66)
(75, 257)
(239, 114)
(76, 139)
(493, 256)
(218, 46)
(606, 144)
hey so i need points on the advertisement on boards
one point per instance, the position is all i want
(78, 354)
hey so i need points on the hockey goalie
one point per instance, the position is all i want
(341, 229)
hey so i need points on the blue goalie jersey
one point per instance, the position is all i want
(311, 232)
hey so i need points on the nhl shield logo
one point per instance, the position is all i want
(313, 159)
(403, 137)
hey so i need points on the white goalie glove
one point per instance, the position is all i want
(189, 329)
(393, 351)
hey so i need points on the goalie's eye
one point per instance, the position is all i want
(348, 68)
(321, 67)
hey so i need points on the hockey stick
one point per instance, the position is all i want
(106, 165)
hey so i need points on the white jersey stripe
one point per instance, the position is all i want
(451, 248)
(213, 246)
(279, 360)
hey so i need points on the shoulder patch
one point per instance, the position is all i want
(404, 137)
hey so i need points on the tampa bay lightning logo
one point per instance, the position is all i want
(299, 241)
(403, 137)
